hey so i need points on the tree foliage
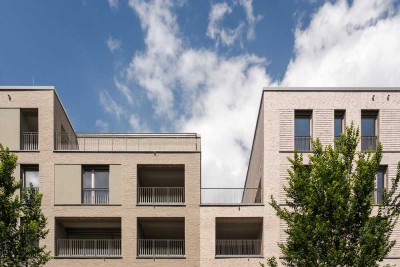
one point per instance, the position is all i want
(22, 223)
(329, 211)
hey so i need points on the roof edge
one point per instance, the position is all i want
(331, 89)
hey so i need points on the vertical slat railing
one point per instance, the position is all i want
(161, 247)
(95, 196)
(228, 247)
(161, 195)
(30, 141)
(368, 142)
(88, 247)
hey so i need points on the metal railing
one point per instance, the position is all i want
(126, 142)
(228, 247)
(302, 143)
(161, 195)
(368, 142)
(161, 247)
(378, 196)
(95, 196)
(29, 141)
(231, 196)
(89, 247)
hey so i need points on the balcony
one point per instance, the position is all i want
(89, 248)
(88, 237)
(161, 184)
(92, 142)
(161, 238)
(231, 196)
(95, 196)
(29, 129)
(238, 237)
(161, 195)
(368, 143)
(302, 143)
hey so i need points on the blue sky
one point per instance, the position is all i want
(194, 66)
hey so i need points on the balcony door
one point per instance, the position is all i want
(95, 184)
(302, 130)
(369, 129)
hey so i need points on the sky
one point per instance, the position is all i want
(194, 65)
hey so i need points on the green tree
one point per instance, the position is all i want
(330, 212)
(22, 223)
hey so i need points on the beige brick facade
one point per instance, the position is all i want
(61, 156)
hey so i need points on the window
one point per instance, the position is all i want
(338, 123)
(368, 129)
(30, 175)
(302, 130)
(95, 184)
(380, 184)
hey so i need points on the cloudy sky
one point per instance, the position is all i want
(194, 65)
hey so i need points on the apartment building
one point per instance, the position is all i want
(136, 199)
(238, 226)
(110, 199)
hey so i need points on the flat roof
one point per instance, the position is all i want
(331, 89)
(26, 87)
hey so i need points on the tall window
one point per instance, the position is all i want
(369, 129)
(380, 184)
(302, 130)
(95, 184)
(30, 175)
(338, 123)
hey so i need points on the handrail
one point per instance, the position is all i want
(88, 247)
(161, 247)
(161, 195)
(238, 247)
(227, 196)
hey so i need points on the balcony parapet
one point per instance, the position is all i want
(94, 142)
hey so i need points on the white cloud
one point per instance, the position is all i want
(113, 44)
(113, 4)
(110, 105)
(228, 36)
(348, 46)
(102, 125)
(124, 89)
(199, 90)
(137, 125)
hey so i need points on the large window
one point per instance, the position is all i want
(30, 175)
(302, 130)
(338, 123)
(369, 129)
(95, 184)
(380, 184)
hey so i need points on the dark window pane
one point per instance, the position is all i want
(338, 126)
(368, 126)
(87, 179)
(101, 179)
(380, 179)
(302, 126)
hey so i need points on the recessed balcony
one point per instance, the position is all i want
(161, 238)
(238, 237)
(88, 237)
(29, 129)
(161, 185)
